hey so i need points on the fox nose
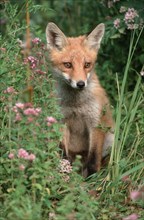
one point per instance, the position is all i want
(80, 84)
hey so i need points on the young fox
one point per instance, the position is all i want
(84, 103)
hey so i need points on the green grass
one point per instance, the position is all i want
(39, 189)
(123, 125)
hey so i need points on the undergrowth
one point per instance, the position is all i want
(36, 183)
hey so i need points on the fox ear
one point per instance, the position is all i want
(55, 37)
(93, 40)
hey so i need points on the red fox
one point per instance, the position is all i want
(84, 103)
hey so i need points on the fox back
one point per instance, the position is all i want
(83, 101)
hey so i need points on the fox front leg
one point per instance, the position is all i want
(65, 141)
(95, 150)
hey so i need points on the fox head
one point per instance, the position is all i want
(73, 59)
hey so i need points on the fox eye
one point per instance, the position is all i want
(87, 65)
(68, 65)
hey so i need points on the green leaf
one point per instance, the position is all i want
(38, 186)
(134, 169)
(121, 30)
(115, 36)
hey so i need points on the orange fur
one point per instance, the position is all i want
(83, 101)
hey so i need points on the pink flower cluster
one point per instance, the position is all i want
(129, 18)
(50, 120)
(32, 111)
(36, 61)
(40, 72)
(116, 23)
(17, 106)
(132, 26)
(130, 15)
(10, 90)
(136, 195)
(21, 167)
(20, 105)
(36, 40)
(11, 156)
(131, 217)
(3, 49)
(22, 153)
(126, 178)
(32, 61)
(26, 109)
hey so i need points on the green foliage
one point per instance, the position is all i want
(33, 184)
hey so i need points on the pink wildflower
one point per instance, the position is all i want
(11, 156)
(22, 153)
(49, 124)
(40, 72)
(126, 179)
(28, 105)
(32, 111)
(43, 46)
(32, 61)
(18, 117)
(130, 15)
(30, 119)
(31, 157)
(21, 167)
(38, 110)
(116, 23)
(20, 105)
(131, 217)
(9, 90)
(135, 195)
(132, 26)
(51, 120)
(3, 49)
(65, 166)
(36, 40)
(14, 109)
